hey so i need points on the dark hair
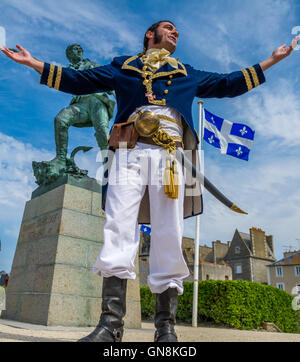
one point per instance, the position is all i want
(153, 27)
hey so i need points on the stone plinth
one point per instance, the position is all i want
(51, 282)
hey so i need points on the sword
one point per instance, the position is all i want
(207, 184)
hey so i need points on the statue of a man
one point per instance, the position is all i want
(93, 110)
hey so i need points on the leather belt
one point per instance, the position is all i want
(149, 141)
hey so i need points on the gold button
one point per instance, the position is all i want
(144, 75)
(169, 82)
(146, 81)
(171, 76)
(145, 67)
(166, 91)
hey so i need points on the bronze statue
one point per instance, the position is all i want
(92, 110)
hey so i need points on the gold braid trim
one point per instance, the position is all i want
(160, 74)
(163, 74)
(158, 102)
(177, 138)
(161, 116)
(152, 75)
(129, 60)
(161, 138)
(247, 79)
(148, 84)
(166, 118)
(50, 76)
(254, 76)
(58, 78)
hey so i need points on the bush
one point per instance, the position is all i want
(238, 304)
(147, 303)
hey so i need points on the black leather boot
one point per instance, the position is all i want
(110, 326)
(165, 316)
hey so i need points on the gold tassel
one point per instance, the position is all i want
(167, 175)
(171, 186)
(171, 178)
(176, 180)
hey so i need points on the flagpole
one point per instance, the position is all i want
(197, 234)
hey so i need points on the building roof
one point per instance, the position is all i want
(246, 238)
(289, 260)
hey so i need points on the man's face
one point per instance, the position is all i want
(165, 36)
(75, 54)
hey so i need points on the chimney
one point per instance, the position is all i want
(259, 243)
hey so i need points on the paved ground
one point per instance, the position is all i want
(11, 331)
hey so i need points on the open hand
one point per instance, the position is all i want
(284, 51)
(23, 56)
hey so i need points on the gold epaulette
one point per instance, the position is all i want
(54, 76)
(251, 78)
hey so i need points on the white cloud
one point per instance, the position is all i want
(233, 32)
(100, 29)
(16, 175)
(16, 185)
(273, 112)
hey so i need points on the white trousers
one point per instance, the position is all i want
(131, 171)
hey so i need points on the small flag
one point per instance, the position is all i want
(146, 229)
(234, 139)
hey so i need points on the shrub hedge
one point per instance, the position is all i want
(236, 303)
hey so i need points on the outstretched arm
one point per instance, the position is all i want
(278, 54)
(76, 82)
(23, 57)
(237, 83)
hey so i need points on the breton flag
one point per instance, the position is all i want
(234, 139)
(146, 229)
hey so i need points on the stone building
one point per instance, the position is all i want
(243, 258)
(211, 260)
(211, 263)
(249, 254)
(285, 273)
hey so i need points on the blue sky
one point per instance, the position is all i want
(215, 35)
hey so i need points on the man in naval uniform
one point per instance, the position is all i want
(162, 84)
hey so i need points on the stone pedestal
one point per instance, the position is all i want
(51, 282)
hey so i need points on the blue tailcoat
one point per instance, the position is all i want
(176, 88)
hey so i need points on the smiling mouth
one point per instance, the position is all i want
(173, 38)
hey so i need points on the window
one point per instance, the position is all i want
(238, 269)
(297, 271)
(226, 277)
(279, 272)
(280, 286)
(207, 277)
(237, 250)
(298, 289)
